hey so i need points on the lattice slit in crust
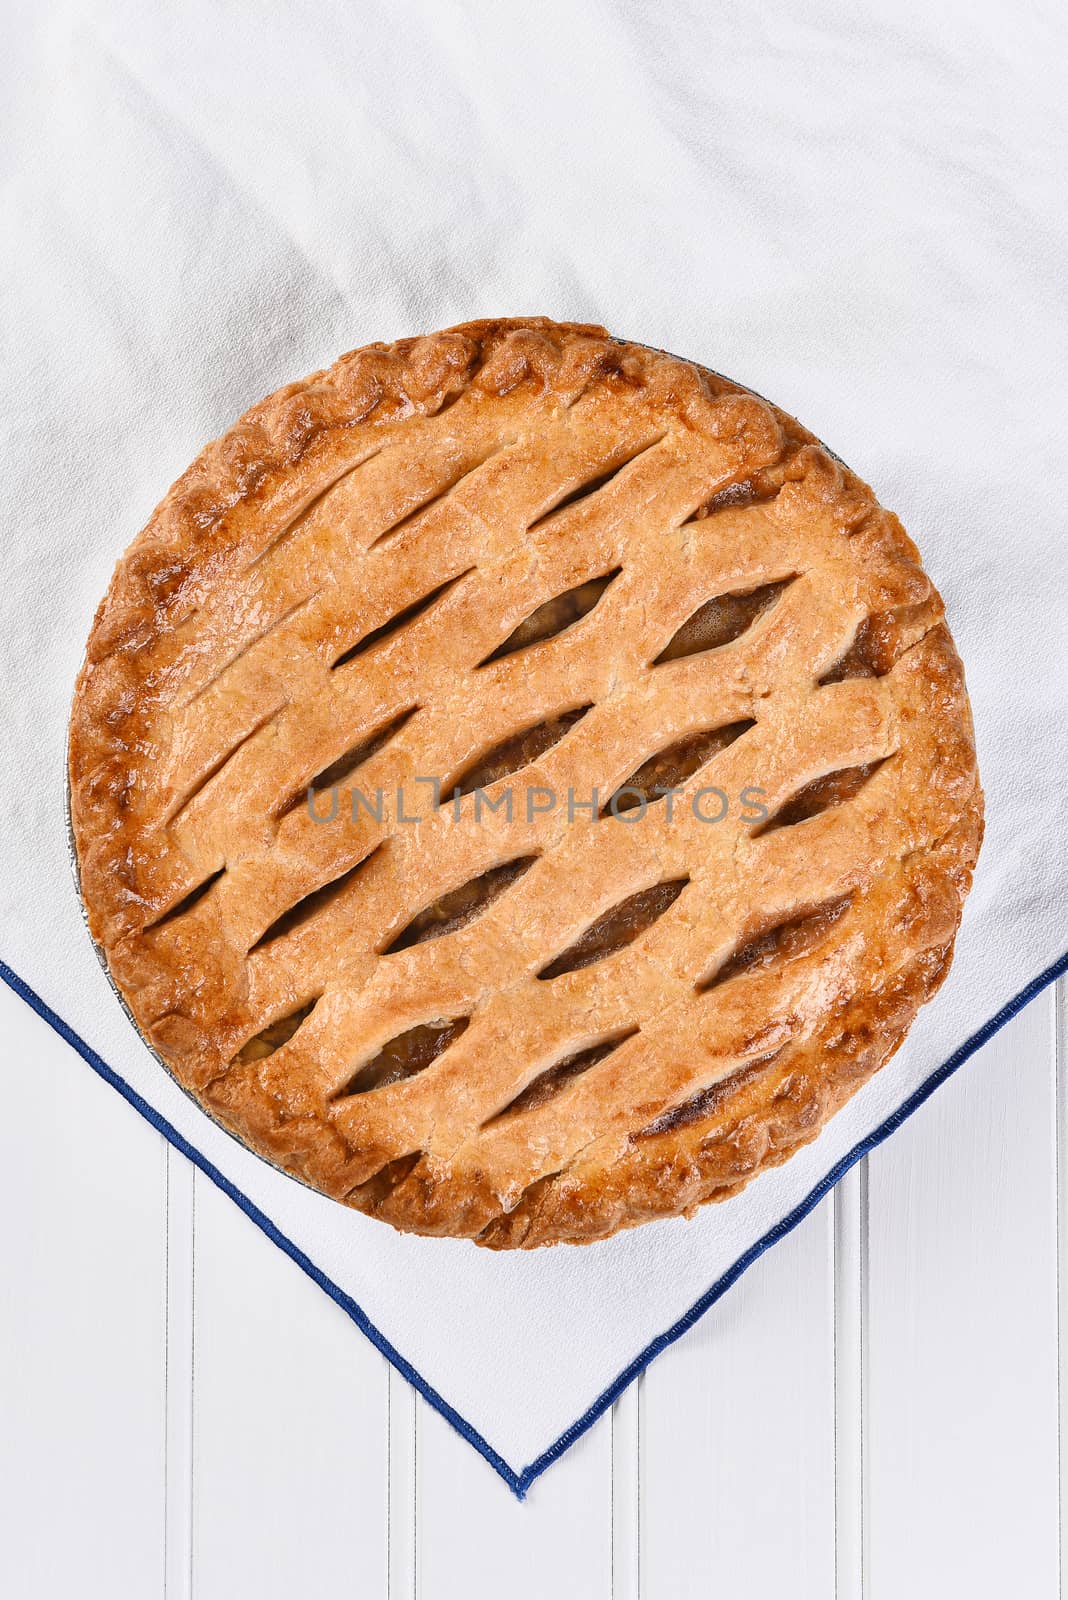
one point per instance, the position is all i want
(721, 620)
(593, 485)
(859, 661)
(758, 489)
(878, 643)
(276, 1034)
(256, 639)
(527, 1201)
(833, 789)
(311, 904)
(553, 1079)
(616, 928)
(397, 622)
(341, 769)
(409, 1053)
(749, 492)
(554, 616)
(671, 767)
(371, 1194)
(305, 512)
(703, 1104)
(460, 906)
(513, 754)
(438, 496)
(216, 767)
(187, 902)
(781, 941)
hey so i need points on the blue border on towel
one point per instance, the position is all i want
(520, 1482)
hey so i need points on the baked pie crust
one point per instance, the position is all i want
(522, 555)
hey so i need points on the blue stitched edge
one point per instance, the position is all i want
(520, 1482)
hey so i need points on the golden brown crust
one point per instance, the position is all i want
(522, 542)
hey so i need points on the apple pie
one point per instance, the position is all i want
(522, 783)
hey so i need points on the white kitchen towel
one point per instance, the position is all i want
(849, 207)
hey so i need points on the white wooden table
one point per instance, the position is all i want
(872, 1412)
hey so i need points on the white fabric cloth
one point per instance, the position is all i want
(850, 208)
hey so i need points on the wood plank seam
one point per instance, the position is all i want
(402, 1488)
(625, 1500)
(1061, 1137)
(167, 1300)
(850, 1336)
(178, 1376)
